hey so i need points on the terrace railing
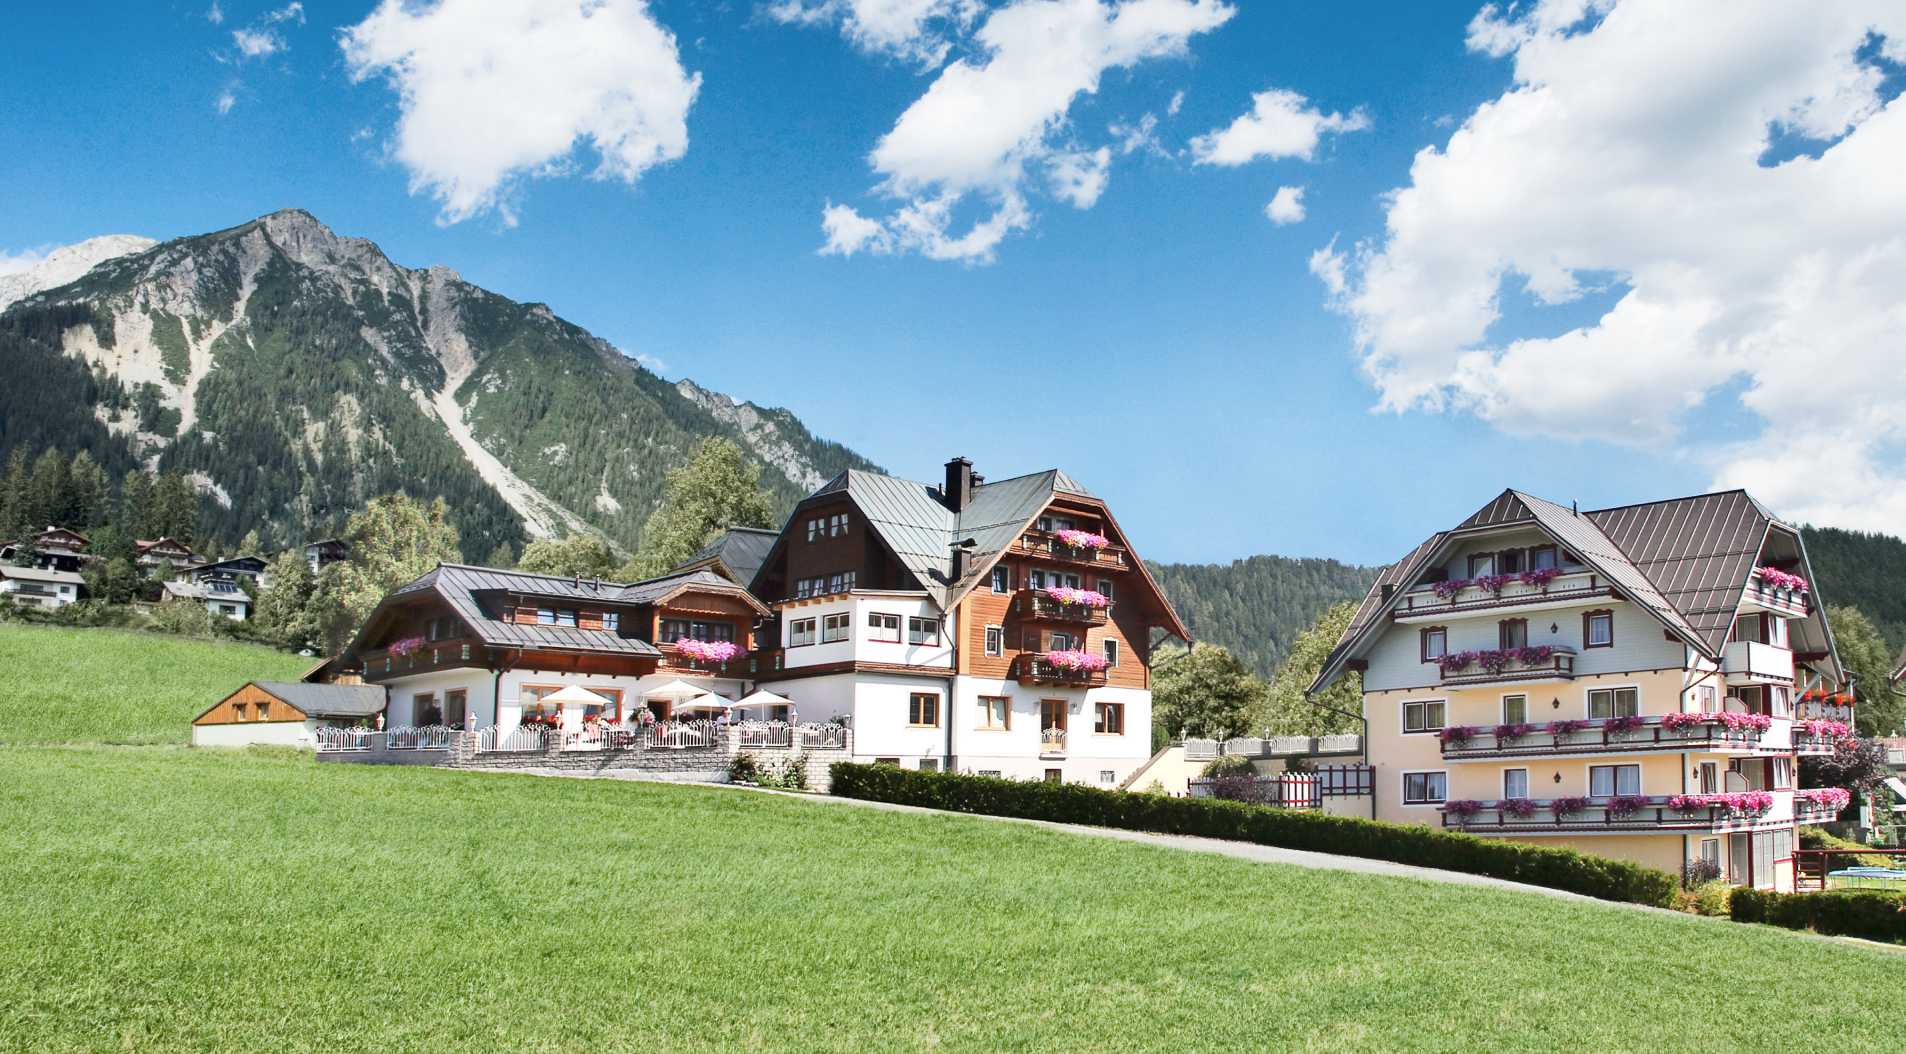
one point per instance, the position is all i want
(1203, 749)
(682, 735)
(1629, 813)
(821, 737)
(1604, 736)
(765, 734)
(520, 739)
(428, 737)
(1052, 741)
(330, 739)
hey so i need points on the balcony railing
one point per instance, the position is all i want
(1789, 602)
(674, 659)
(1746, 662)
(1606, 736)
(1052, 741)
(1048, 544)
(1293, 746)
(1040, 606)
(1813, 744)
(1032, 668)
(1822, 710)
(1806, 810)
(1508, 666)
(1598, 815)
(437, 654)
(1443, 599)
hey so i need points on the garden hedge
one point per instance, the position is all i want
(1872, 914)
(1566, 869)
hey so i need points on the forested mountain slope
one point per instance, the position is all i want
(1867, 571)
(1256, 607)
(295, 373)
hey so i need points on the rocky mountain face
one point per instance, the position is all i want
(295, 373)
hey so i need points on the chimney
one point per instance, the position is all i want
(959, 484)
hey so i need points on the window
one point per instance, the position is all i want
(800, 631)
(1435, 642)
(1709, 780)
(923, 631)
(929, 764)
(1425, 788)
(1515, 709)
(836, 627)
(840, 583)
(546, 616)
(1613, 702)
(1105, 588)
(678, 628)
(995, 640)
(1751, 627)
(895, 762)
(612, 621)
(566, 617)
(837, 525)
(990, 773)
(923, 709)
(238, 711)
(807, 587)
(1002, 580)
(1482, 564)
(1711, 851)
(1423, 717)
(1513, 633)
(424, 709)
(1062, 642)
(995, 712)
(1542, 559)
(815, 529)
(1598, 629)
(1606, 781)
(883, 628)
(455, 706)
(1069, 581)
(1706, 696)
(1036, 579)
(1108, 776)
(1510, 562)
(1055, 776)
(1783, 773)
(1515, 783)
(1783, 701)
(1111, 651)
(1109, 719)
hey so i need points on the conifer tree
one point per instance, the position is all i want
(13, 501)
(135, 505)
(284, 613)
(49, 492)
(91, 494)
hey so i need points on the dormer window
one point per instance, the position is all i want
(612, 621)
(1542, 559)
(1509, 562)
(1482, 564)
(1056, 523)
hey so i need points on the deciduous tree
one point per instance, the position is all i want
(1878, 710)
(1287, 713)
(578, 554)
(1206, 692)
(393, 540)
(716, 490)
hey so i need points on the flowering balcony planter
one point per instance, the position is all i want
(1541, 663)
(1526, 590)
(1031, 669)
(417, 654)
(1622, 813)
(1607, 736)
(1777, 592)
(1051, 544)
(1039, 605)
(1818, 738)
(1820, 805)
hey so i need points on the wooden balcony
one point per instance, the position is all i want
(1037, 605)
(1046, 544)
(1031, 668)
(1791, 603)
(1606, 736)
(1607, 816)
(674, 661)
(1424, 604)
(1558, 666)
(452, 653)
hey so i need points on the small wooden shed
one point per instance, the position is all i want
(285, 712)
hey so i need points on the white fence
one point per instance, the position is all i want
(429, 737)
(344, 739)
(493, 740)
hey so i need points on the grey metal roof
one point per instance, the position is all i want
(328, 700)
(458, 585)
(742, 550)
(1686, 560)
(37, 574)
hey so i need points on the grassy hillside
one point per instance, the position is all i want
(1257, 607)
(111, 686)
(1865, 570)
(168, 900)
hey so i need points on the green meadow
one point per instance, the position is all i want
(165, 898)
(60, 685)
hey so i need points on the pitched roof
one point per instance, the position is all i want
(321, 700)
(37, 574)
(1686, 560)
(458, 585)
(739, 552)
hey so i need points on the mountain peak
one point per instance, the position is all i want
(68, 263)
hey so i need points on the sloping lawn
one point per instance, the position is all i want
(60, 685)
(175, 899)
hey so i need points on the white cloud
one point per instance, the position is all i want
(1140, 136)
(289, 12)
(916, 30)
(227, 99)
(495, 91)
(214, 15)
(989, 118)
(257, 43)
(24, 260)
(1287, 206)
(1177, 103)
(1281, 124)
(1630, 147)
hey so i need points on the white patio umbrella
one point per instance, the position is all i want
(705, 701)
(763, 699)
(676, 689)
(577, 694)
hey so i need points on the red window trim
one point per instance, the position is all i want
(1588, 615)
(1422, 641)
(1502, 632)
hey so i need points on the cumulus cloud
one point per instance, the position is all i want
(915, 30)
(495, 91)
(1630, 150)
(992, 121)
(257, 43)
(1280, 124)
(24, 260)
(1287, 206)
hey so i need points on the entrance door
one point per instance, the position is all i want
(453, 708)
(1739, 857)
(1052, 714)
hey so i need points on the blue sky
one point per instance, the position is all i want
(1197, 364)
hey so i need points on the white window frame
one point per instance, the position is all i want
(996, 640)
(1588, 700)
(1109, 648)
(1506, 773)
(1524, 719)
(803, 632)
(880, 624)
(612, 621)
(1403, 716)
(837, 627)
(920, 636)
(1615, 780)
(1403, 787)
